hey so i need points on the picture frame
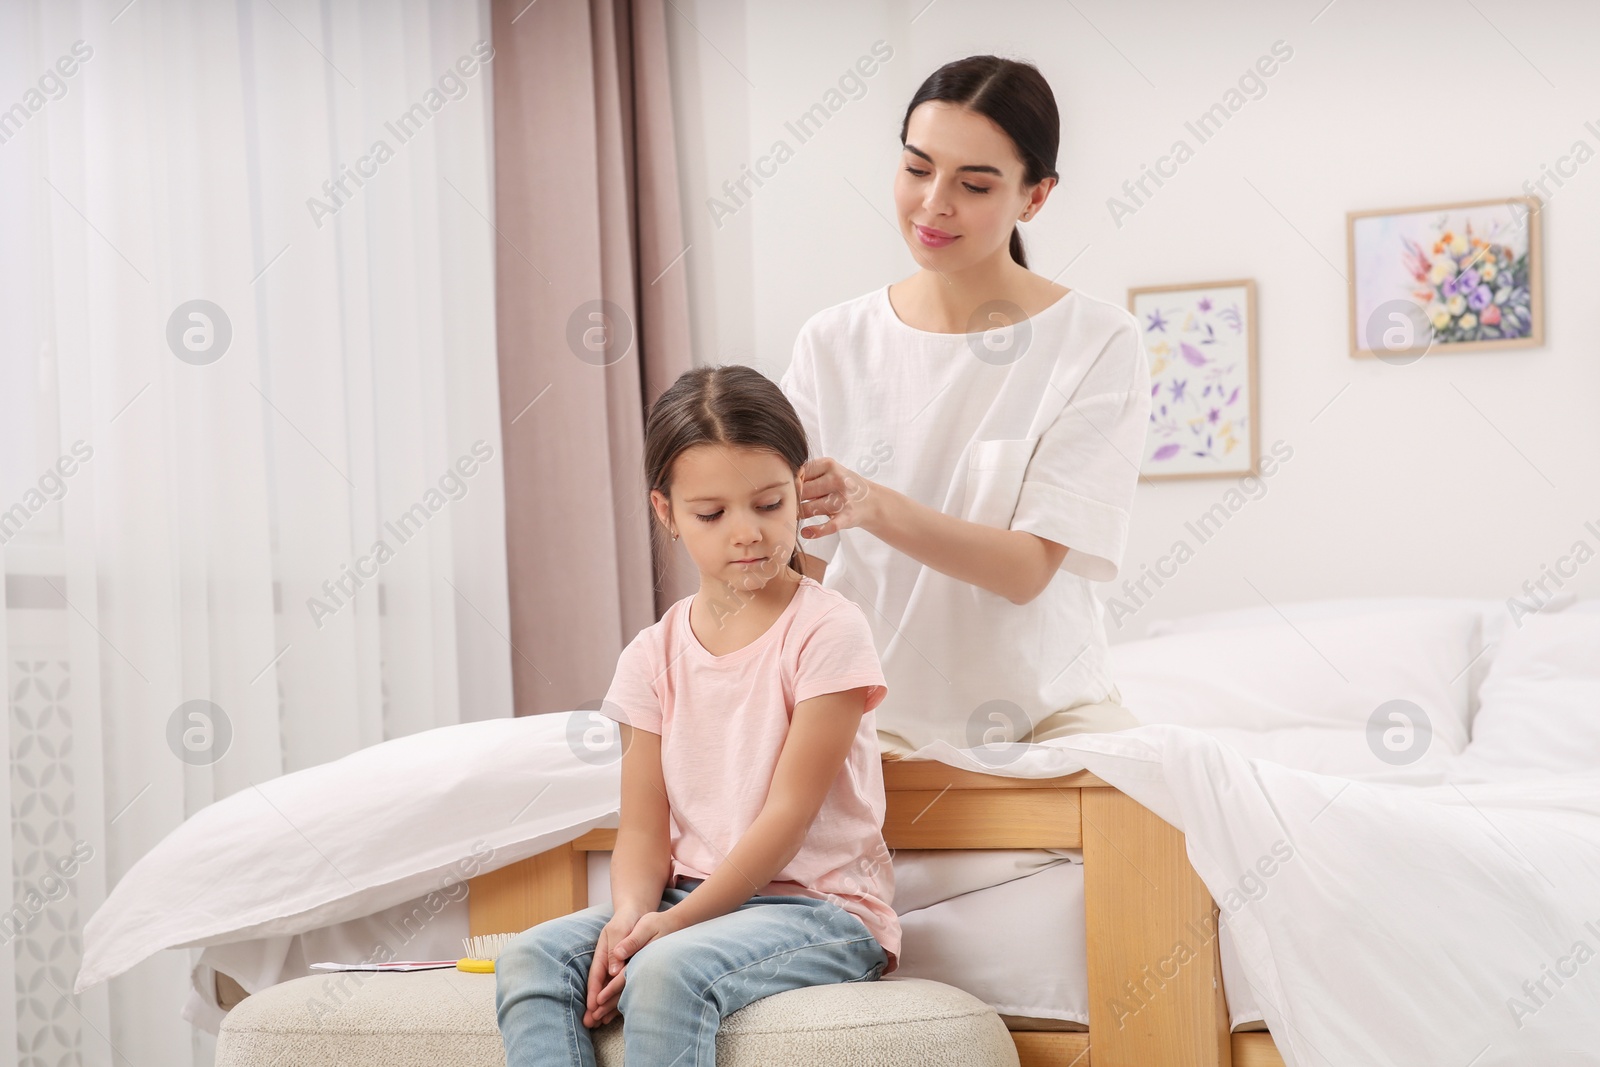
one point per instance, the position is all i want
(1408, 265)
(1200, 338)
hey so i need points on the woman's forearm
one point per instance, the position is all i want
(1014, 564)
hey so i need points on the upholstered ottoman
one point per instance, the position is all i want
(446, 1019)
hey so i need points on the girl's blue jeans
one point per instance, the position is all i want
(679, 987)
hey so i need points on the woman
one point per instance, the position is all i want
(983, 427)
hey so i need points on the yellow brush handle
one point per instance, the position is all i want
(473, 966)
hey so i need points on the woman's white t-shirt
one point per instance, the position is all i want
(1038, 426)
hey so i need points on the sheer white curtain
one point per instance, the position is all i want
(251, 497)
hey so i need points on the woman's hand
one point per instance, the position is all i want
(624, 935)
(828, 487)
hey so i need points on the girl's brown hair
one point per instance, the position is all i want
(730, 405)
(1015, 97)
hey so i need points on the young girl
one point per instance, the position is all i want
(750, 856)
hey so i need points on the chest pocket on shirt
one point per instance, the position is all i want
(994, 480)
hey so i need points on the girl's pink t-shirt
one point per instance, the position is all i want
(723, 721)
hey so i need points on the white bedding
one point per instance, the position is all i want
(1405, 926)
(1427, 923)
(1413, 925)
(1004, 925)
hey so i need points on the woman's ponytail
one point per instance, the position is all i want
(1016, 247)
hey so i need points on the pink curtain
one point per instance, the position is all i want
(593, 324)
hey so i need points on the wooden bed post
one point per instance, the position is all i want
(1155, 976)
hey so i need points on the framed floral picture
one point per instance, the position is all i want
(1445, 278)
(1201, 343)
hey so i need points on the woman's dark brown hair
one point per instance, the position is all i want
(730, 405)
(1015, 97)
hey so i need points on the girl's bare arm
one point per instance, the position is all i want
(641, 862)
(821, 732)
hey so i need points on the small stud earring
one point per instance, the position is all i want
(674, 535)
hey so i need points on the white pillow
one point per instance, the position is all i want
(1332, 672)
(1541, 703)
(1495, 614)
(413, 817)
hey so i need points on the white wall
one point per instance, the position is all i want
(1462, 474)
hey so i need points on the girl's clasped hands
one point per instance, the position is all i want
(625, 934)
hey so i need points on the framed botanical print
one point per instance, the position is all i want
(1462, 277)
(1201, 343)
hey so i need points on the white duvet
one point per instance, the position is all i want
(1454, 924)
(1411, 926)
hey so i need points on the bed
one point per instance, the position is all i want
(1136, 826)
(1140, 896)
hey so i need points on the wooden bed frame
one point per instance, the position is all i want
(1141, 899)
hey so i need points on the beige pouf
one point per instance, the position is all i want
(446, 1019)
